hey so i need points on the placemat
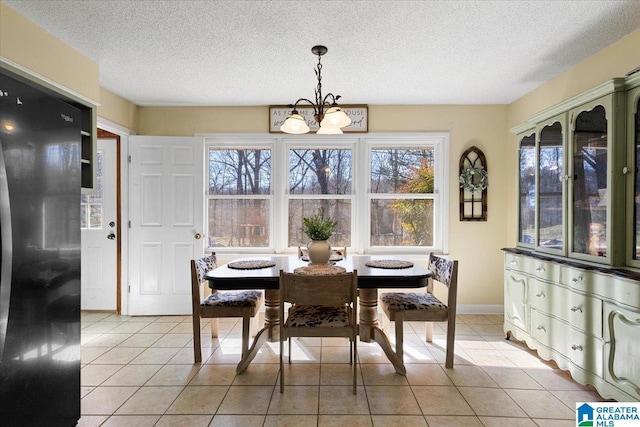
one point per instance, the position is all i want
(251, 264)
(320, 269)
(389, 263)
(333, 257)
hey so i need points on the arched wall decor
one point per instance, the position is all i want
(473, 185)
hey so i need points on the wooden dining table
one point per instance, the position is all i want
(370, 279)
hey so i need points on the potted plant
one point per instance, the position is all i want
(318, 229)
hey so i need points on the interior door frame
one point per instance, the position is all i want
(110, 130)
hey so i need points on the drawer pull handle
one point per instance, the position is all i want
(541, 295)
(576, 347)
(576, 309)
(513, 261)
(539, 269)
(577, 279)
(541, 328)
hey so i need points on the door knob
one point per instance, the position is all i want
(197, 236)
(111, 236)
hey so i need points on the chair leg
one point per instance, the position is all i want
(246, 321)
(451, 333)
(351, 360)
(197, 346)
(281, 363)
(255, 324)
(428, 331)
(289, 350)
(399, 336)
(214, 328)
(355, 365)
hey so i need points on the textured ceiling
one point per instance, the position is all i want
(380, 52)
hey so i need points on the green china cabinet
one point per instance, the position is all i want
(572, 284)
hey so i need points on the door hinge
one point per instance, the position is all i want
(129, 289)
(129, 223)
(129, 158)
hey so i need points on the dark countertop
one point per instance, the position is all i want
(625, 273)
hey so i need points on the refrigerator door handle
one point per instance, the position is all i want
(6, 256)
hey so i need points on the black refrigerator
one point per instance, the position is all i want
(40, 256)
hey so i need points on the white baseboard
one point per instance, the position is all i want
(480, 309)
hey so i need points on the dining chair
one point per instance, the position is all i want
(220, 304)
(321, 306)
(424, 306)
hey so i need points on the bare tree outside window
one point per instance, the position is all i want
(238, 205)
(402, 218)
(313, 173)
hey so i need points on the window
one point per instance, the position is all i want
(406, 205)
(384, 191)
(91, 204)
(239, 197)
(320, 181)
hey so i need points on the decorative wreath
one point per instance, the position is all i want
(469, 183)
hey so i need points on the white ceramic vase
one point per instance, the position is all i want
(319, 251)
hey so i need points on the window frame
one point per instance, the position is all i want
(310, 142)
(232, 142)
(440, 195)
(360, 196)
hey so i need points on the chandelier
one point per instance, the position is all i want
(326, 111)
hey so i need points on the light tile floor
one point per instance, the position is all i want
(139, 371)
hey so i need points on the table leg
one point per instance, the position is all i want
(270, 332)
(370, 331)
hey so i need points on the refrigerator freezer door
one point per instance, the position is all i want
(6, 254)
(40, 364)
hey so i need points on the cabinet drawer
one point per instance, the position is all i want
(582, 312)
(548, 331)
(583, 350)
(622, 332)
(516, 262)
(544, 270)
(575, 278)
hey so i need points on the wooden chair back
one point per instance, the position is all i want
(336, 289)
(446, 272)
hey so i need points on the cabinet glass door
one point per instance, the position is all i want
(589, 183)
(636, 180)
(527, 190)
(551, 188)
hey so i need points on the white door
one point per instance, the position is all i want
(166, 196)
(98, 228)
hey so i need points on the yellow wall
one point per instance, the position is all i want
(27, 45)
(117, 109)
(184, 121)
